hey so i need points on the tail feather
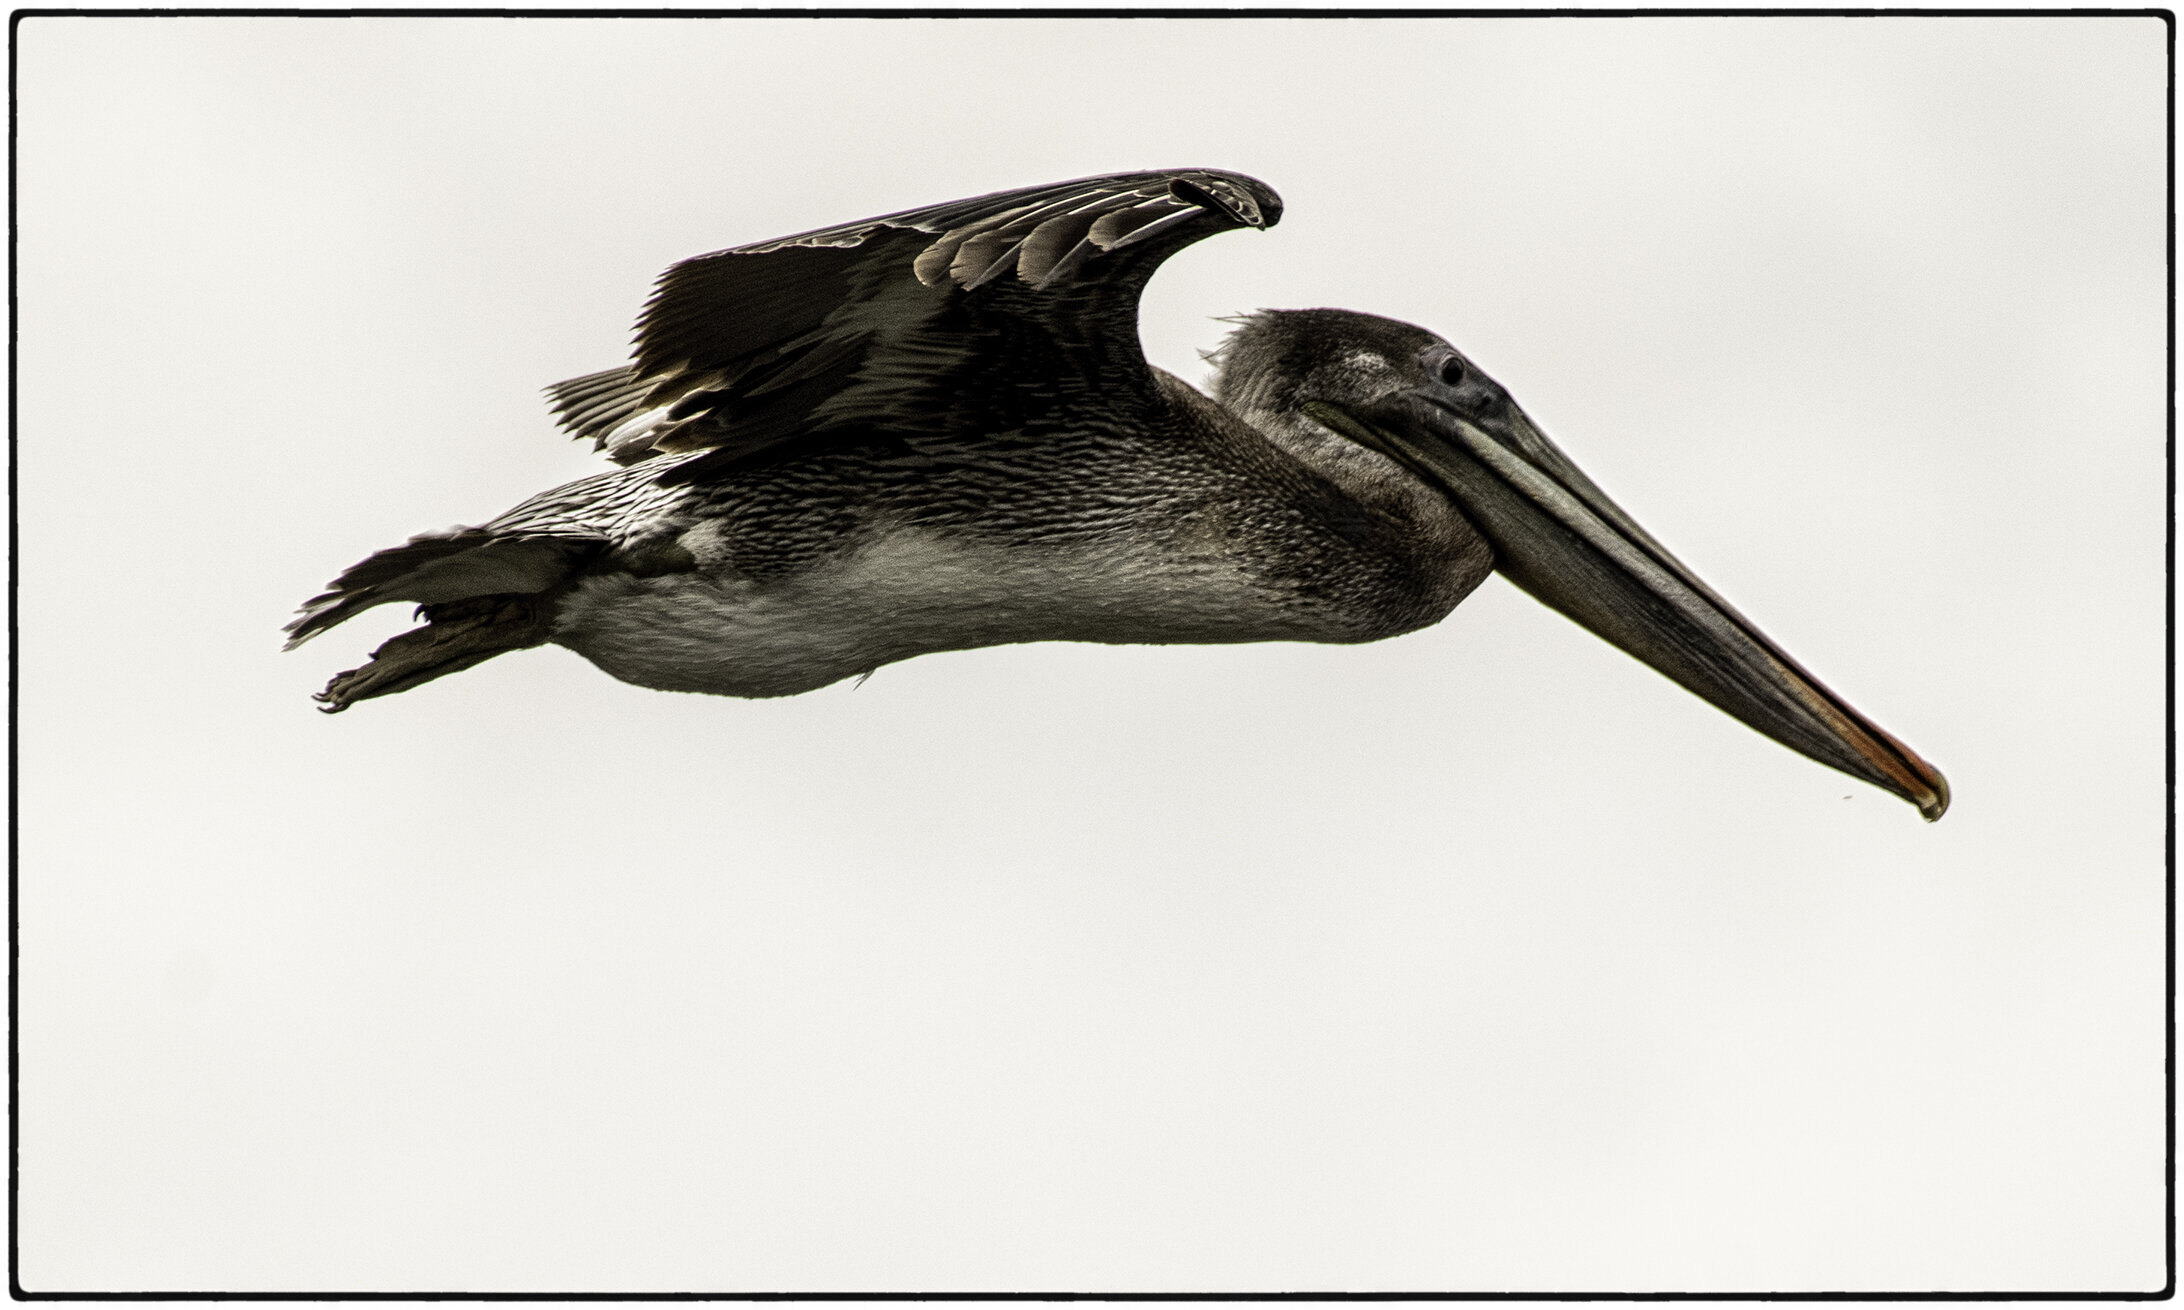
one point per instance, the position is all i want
(456, 636)
(437, 567)
(481, 593)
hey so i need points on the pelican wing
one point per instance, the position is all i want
(960, 321)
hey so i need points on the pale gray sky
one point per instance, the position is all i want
(1483, 958)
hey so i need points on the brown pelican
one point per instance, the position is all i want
(935, 430)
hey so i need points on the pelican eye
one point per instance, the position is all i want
(1451, 371)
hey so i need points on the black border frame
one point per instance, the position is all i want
(14, 688)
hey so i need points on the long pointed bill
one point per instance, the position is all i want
(1560, 538)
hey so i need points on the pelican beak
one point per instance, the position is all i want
(1559, 537)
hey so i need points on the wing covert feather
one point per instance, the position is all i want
(882, 324)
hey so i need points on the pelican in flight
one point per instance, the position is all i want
(935, 430)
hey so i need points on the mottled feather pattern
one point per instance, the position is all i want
(797, 403)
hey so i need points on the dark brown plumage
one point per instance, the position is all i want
(935, 430)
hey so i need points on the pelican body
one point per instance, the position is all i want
(935, 431)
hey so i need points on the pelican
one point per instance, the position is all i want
(935, 430)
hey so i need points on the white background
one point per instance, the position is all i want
(1483, 958)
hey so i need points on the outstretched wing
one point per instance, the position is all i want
(962, 320)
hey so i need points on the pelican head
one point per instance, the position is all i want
(1372, 399)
